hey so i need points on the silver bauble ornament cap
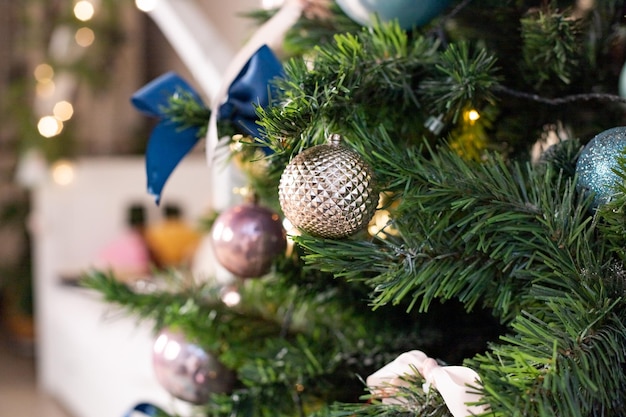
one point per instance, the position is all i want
(328, 191)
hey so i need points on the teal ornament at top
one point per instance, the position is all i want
(597, 162)
(622, 82)
(408, 13)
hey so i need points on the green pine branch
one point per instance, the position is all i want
(283, 341)
(520, 239)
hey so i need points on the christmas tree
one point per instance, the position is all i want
(454, 175)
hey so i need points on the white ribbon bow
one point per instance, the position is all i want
(452, 382)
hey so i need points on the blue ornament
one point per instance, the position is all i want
(409, 13)
(596, 164)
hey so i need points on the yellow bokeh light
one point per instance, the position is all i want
(43, 73)
(63, 110)
(85, 37)
(473, 115)
(49, 126)
(63, 172)
(84, 10)
(145, 5)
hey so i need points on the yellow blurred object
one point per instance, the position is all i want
(381, 224)
(469, 140)
(173, 241)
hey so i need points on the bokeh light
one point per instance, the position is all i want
(146, 5)
(63, 110)
(45, 88)
(49, 126)
(473, 115)
(271, 4)
(85, 37)
(63, 172)
(43, 73)
(84, 10)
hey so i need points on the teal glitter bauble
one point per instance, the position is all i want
(596, 164)
(409, 13)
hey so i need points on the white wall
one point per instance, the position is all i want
(96, 362)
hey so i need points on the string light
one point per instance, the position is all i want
(473, 115)
(49, 126)
(45, 88)
(84, 10)
(381, 224)
(291, 231)
(146, 5)
(63, 172)
(271, 4)
(63, 110)
(43, 73)
(85, 37)
(230, 296)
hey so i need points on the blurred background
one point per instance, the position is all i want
(71, 167)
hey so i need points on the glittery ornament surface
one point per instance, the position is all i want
(328, 191)
(596, 164)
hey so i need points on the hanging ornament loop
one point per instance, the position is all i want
(334, 139)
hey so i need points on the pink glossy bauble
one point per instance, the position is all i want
(247, 238)
(186, 370)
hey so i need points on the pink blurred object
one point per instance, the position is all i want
(127, 256)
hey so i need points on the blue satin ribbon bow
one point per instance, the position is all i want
(169, 142)
(251, 88)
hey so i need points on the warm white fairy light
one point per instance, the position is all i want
(290, 231)
(84, 10)
(45, 88)
(63, 110)
(43, 73)
(85, 37)
(271, 4)
(49, 126)
(146, 5)
(473, 115)
(63, 172)
(230, 296)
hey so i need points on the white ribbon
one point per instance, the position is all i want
(452, 382)
(271, 33)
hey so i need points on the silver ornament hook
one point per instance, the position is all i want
(334, 139)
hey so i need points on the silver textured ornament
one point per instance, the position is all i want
(328, 191)
(596, 163)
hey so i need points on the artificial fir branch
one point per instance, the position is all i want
(462, 78)
(612, 216)
(184, 110)
(551, 48)
(501, 233)
(325, 342)
(546, 257)
(412, 400)
(345, 71)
